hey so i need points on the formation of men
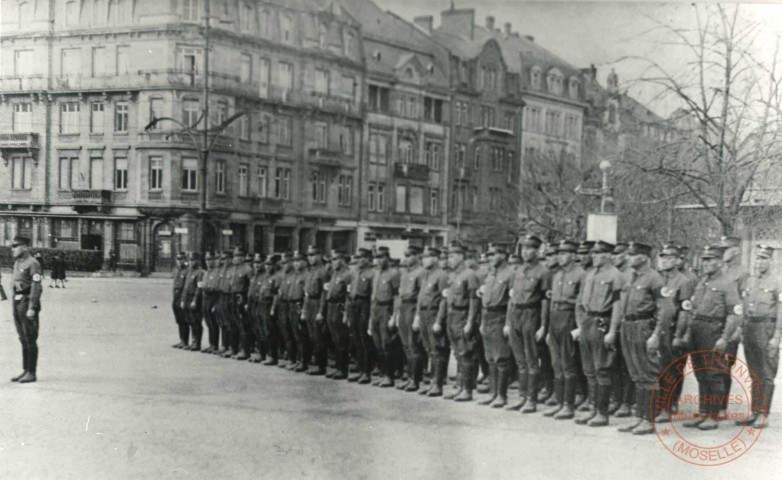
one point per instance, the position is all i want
(584, 329)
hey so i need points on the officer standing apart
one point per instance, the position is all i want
(26, 306)
(598, 322)
(762, 331)
(430, 319)
(384, 288)
(527, 320)
(180, 275)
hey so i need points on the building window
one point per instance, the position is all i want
(461, 151)
(412, 107)
(284, 131)
(244, 178)
(285, 77)
(379, 99)
(509, 122)
(96, 173)
(535, 78)
(247, 17)
(573, 88)
(126, 232)
(345, 190)
(285, 28)
(71, 14)
(155, 111)
(318, 184)
(21, 173)
(477, 163)
(99, 61)
(346, 140)
(433, 109)
(69, 173)
(190, 112)
(70, 65)
(189, 174)
(245, 72)
(244, 127)
(263, 77)
(322, 81)
(494, 198)
(377, 197)
(190, 10)
(349, 39)
(433, 155)
(220, 177)
(65, 228)
(282, 182)
(23, 61)
(121, 173)
(69, 117)
(221, 113)
(262, 182)
(457, 117)
(322, 36)
(434, 201)
(156, 173)
(405, 151)
(401, 199)
(378, 148)
(417, 200)
(23, 117)
(322, 135)
(121, 117)
(123, 60)
(264, 128)
(190, 58)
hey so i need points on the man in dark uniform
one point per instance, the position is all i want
(180, 275)
(716, 313)
(546, 394)
(443, 261)
(224, 308)
(430, 319)
(269, 288)
(762, 296)
(462, 320)
(357, 315)
(210, 295)
(281, 308)
(333, 308)
(26, 305)
(583, 402)
(241, 338)
(565, 287)
(495, 294)
(527, 320)
(314, 316)
(598, 322)
(483, 378)
(409, 288)
(192, 305)
(732, 265)
(385, 287)
(296, 320)
(254, 309)
(623, 388)
(644, 318)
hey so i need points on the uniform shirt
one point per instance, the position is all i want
(193, 278)
(286, 279)
(566, 284)
(228, 278)
(27, 279)
(496, 292)
(410, 284)
(180, 275)
(209, 283)
(240, 281)
(270, 285)
(464, 284)
(762, 295)
(296, 285)
(641, 293)
(317, 276)
(602, 287)
(433, 282)
(385, 285)
(337, 286)
(254, 292)
(361, 283)
(531, 281)
(716, 296)
(678, 288)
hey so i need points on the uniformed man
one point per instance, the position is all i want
(716, 313)
(546, 394)
(443, 261)
(565, 287)
(404, 314)
(333, 308)
(210, 296)
(584, 260)
(494, 295)
(430, 319)
(584, 257)
(296, 319)
(224, 309)
(551, 261)
(254, 308)
(180, 274)
(315, 318)
(269, 288)
(357, 315)
(679, 289)
(644, 319)
(242, 337)
(472, 262)
(514, 261)
(623, 387)
(280, 308)
(762, 297)
(385, 288)
(732, 265)
(598, 323)
(527, 320)
(26, 306)
(192, 301)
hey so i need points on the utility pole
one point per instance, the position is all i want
(201, 243)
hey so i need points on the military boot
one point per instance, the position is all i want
(603, 401)
(523, 379)
(558, 398)
(502, 388)
(492, 386)
(532, 394)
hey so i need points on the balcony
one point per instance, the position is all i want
(273, 206)
(24, 143)
(83, 200)
(412, 171)
(27, 83)
(334, 103)
(325, 157)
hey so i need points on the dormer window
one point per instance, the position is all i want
(322, 38)
(285, 28)
(573, 88)
(409, 73)
(535, 78)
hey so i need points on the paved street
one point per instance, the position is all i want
(115, 401)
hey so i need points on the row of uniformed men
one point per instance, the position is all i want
(628, 319)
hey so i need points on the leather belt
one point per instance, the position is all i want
(384, 304)
(360, 297)
(423, 308)
(709, 319)
(335, 300)
(496, 309)
(458, 309)
(599, 314)
(639, 317)
(525, 306)
(410, 300)
(761, 319)
(26, 291)
(563, 306)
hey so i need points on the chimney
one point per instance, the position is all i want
(593, 68)
(425, 23)
(508, 29)
(460, 21)
(530, 38)
(490, 23)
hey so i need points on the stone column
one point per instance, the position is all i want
(35, 238)
(46, 232)
(108, 243)
(3, 237)
(78, 232)
(329, 239)
(295, 238)
(268, 239)
(249, 237)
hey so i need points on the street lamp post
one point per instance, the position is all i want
(605, 192)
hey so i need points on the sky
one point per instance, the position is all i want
(601, 33)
